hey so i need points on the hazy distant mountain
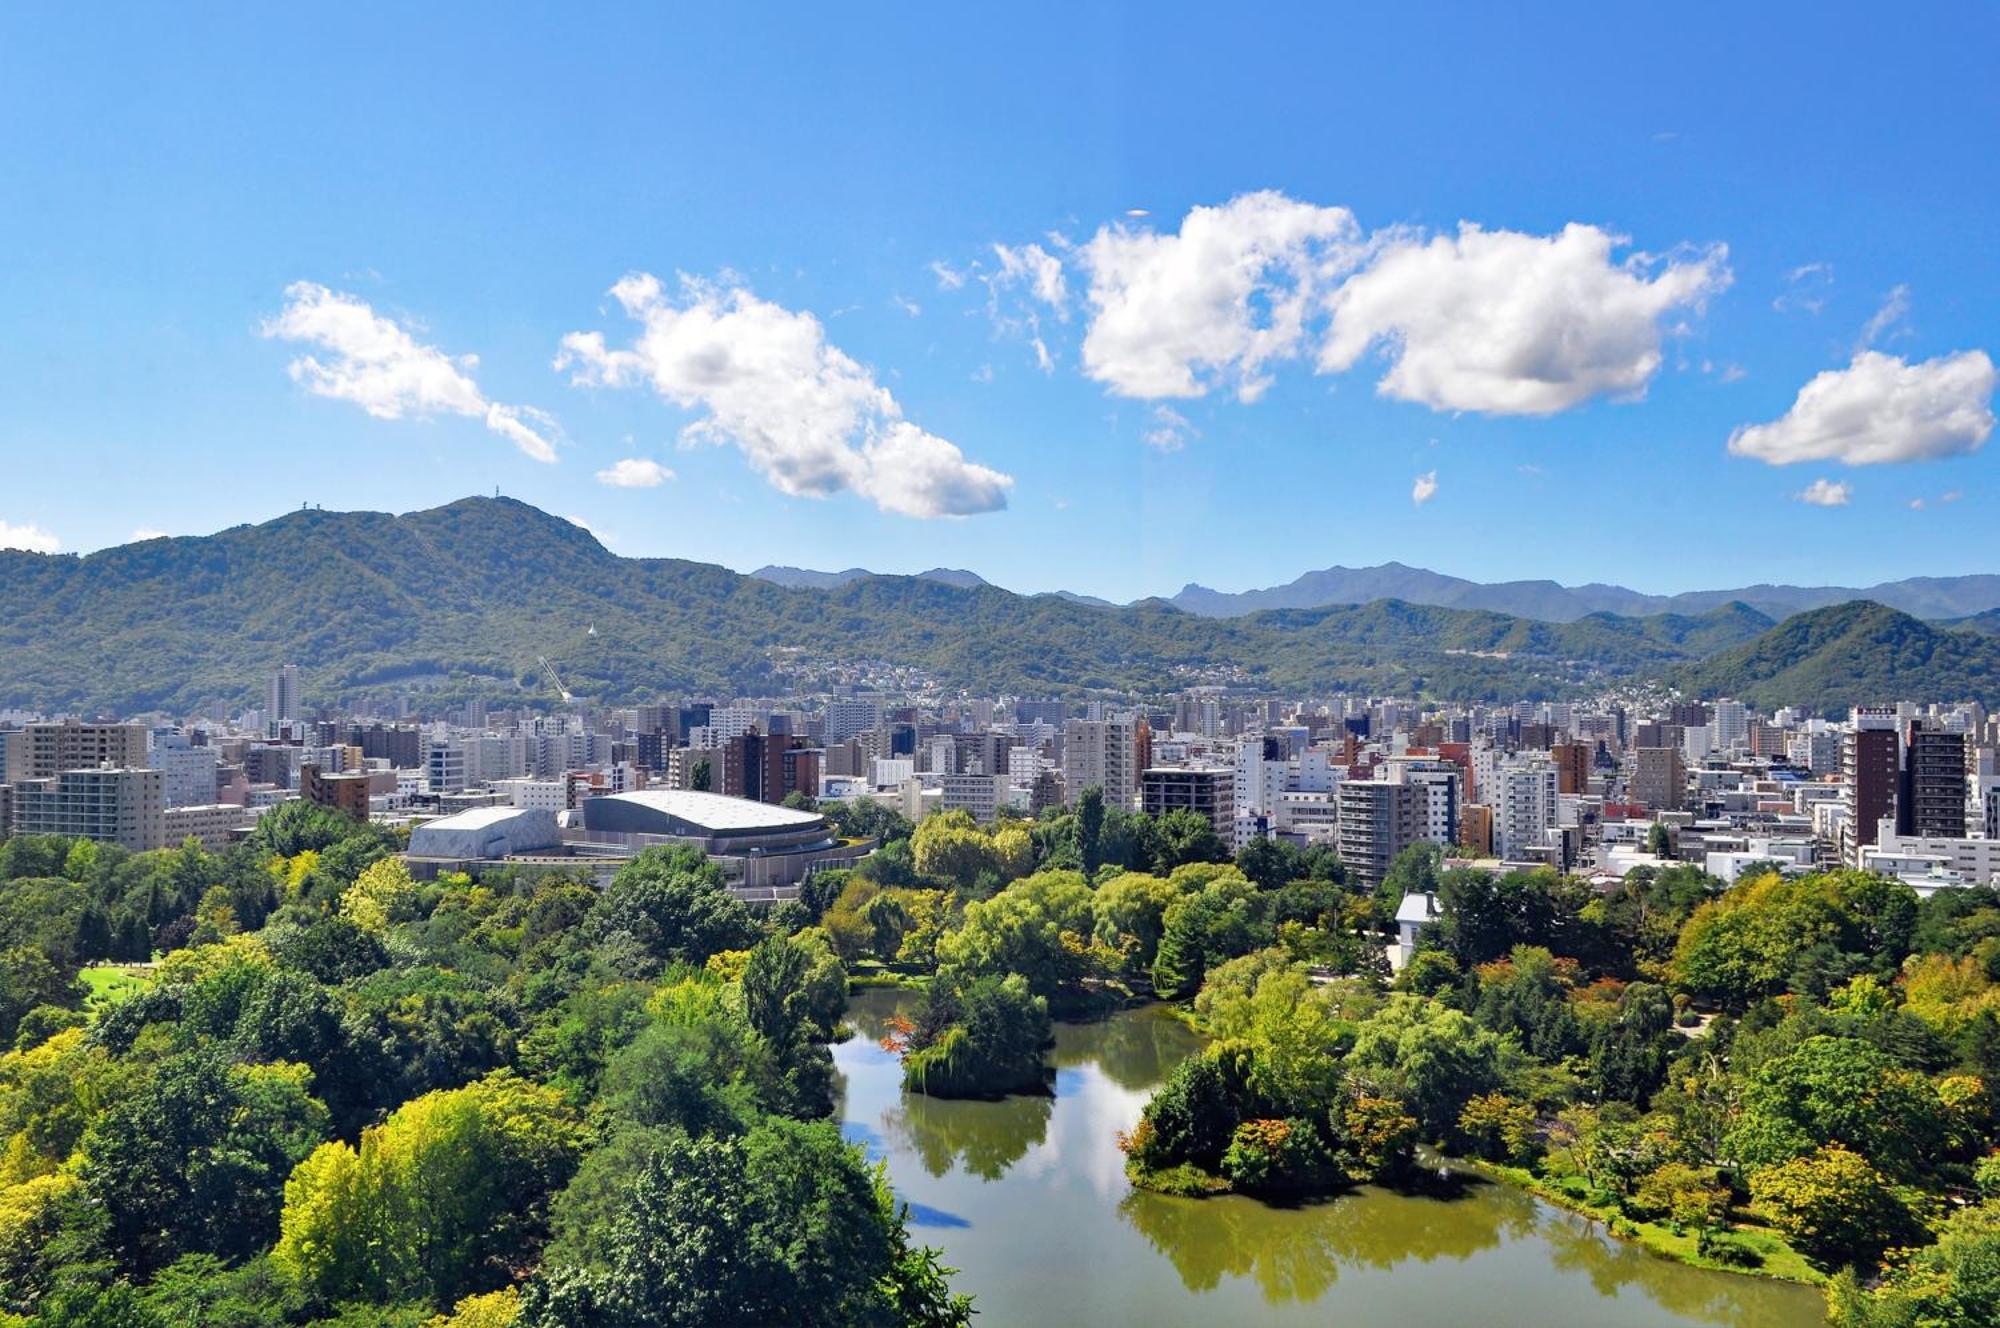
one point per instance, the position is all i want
(462, 600)
(1935, 597)
(801, 578)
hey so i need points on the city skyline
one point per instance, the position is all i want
(995, 327)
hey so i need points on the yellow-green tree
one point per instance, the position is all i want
(379, 896)
(439, 1201)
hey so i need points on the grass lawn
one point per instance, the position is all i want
(1777, 1258)
(112, 983)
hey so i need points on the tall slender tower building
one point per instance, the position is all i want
(283, 707)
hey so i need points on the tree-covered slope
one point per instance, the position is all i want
(1851, 654)
(462, 599)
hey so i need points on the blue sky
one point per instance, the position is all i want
(243, 254)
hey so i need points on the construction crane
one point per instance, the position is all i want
(555, 679)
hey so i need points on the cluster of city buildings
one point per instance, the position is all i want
(1596, 787)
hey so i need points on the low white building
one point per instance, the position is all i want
(485, 834)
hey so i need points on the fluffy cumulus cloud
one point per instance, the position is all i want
(1217, 303)
(1425, 488)
(30, 537)
(1495, 321)
(1826, 493)
(1881, 408)
(634, 473)
(374, 362)
(766, 380)
(1507, 323)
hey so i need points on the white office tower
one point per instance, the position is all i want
(283, 700)
(1731, 726)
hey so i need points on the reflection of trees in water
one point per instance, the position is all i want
(1579, 1245)
(1135, 1048)
(1296, 1254)
(986, 1137)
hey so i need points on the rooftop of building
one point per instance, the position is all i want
(718, 812)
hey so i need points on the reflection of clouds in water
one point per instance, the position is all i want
(1028, 1195)
(1094, 1111)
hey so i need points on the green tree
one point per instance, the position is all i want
(1841, 1091)
(438, 1202)
(979, 1038)
(782, 1225)
(1038, 927)
(1954, 1282)
(1432, 1058)
(1834, 1207)
(196, 1160)
(674, 907)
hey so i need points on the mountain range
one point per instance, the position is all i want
(1931, 597)
(464, 600)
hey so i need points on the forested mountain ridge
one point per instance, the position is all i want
(461, 600)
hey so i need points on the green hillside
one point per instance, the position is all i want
(1851, 654)
(460, 600)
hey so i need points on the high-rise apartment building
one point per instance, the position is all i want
(1932, 798)
(1525, 803)
(1659, 778)
(1378, 819)
(1108, 753)
(1207, 791)
(73, 745)
(1871, 771)
(111, 804)
(1572, 761)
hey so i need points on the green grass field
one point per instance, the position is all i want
(112, 983)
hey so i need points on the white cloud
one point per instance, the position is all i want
(30, 537)
(1513, 324)
(809, 417)
(634, 473)
(1169, 431)
(144, 533)
(1216, 304)
(1805, 289)
(1887, 319)
(907, 305)
(378, 365)
(1037, 268)
(948, 277)
(1881, 408)
(1826, 493)
(1425, 488)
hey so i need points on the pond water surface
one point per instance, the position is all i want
(1028, 1199)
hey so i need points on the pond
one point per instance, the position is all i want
(1028, 1199)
